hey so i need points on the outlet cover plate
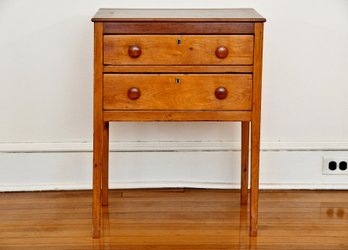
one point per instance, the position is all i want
(338, 171)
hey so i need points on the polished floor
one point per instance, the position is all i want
(174, 219)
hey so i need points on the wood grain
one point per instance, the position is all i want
(255, 129)
(244, 162)
(171, 116)
(174, 219)
(97, 126)
(105, 167)
(179, 15)
(163, 92)
(178, 28)
(177, 69)
(165, 50)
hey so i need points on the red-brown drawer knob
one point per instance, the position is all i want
(221, 52)
(134, 93)
(134, 51)
(221, 93)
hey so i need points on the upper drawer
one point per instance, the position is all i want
(178, 50)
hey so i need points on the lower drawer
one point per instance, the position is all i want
(177, 91)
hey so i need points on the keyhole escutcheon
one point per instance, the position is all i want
(178, 41)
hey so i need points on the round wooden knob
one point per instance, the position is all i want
(221, 52)
(221, 93)
(134, 93)
(134, 51)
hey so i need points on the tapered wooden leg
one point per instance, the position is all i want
(254, 190)
(255, 129)
(97, 167)
(244, 163)
(105, 169)
(98, 127)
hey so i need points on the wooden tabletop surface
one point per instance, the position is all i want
(195, 15)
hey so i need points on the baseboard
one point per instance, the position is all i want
(172, 184)
(169, 146)
(207, 164)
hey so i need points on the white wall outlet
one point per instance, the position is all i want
(335, 165)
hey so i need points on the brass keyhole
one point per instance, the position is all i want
(177, 81)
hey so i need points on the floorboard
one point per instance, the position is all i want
(174, 219)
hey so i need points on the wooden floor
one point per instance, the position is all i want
(174, 219)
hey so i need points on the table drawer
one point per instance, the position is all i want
(177, 91)
(178, 50)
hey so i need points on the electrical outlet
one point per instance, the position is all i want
(335, 165)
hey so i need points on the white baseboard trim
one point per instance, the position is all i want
(67, 166)
(173, 184)
(169, 146)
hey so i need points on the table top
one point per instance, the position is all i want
(177, 15)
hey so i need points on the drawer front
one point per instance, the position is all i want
(178, 50)
(177, 91)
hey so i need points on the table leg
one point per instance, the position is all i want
(244, 163)
(254, 190)
(97, 167)
(255, 129)
(105, 167)
(97, 127)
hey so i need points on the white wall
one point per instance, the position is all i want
(46, 52)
